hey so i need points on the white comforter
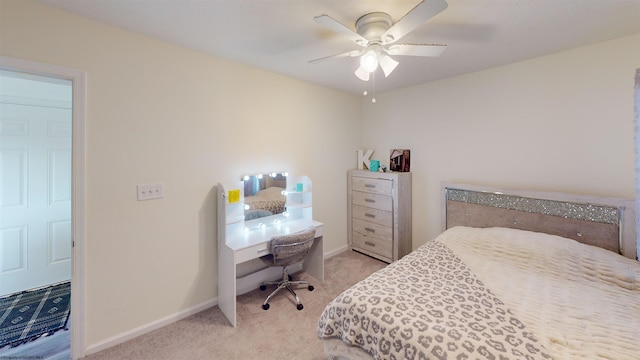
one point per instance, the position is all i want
(582, 302)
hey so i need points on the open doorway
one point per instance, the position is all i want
(41, 210)
(35, 210)
(35, 207)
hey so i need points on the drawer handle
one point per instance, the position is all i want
(369, 200)
(370, 186)
(370, 243)
(370, 229)
(262, 250)
(370, 216)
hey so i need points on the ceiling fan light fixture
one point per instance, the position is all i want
(376, 33)
(369, 61)
(387, 64)
(361, 74)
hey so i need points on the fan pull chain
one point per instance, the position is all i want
(373, 88)
(366, 86)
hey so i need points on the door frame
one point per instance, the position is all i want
(78, 79)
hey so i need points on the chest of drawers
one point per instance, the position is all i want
(379, 213)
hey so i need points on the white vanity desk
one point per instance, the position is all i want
(240, 241)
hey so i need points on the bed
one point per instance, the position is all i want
(513, 275)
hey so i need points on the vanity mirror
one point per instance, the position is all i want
(264, 195)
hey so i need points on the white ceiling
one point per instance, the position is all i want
(281, 35)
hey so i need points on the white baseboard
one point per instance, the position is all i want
(141, 330)
(244, 285)
(335, 252)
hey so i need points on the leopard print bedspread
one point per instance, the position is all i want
(274, 206)
(429, 305)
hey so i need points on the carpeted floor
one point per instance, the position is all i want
(30, 314)
(282, 332)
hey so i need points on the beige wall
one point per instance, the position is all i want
(562, 122)
(160, 113)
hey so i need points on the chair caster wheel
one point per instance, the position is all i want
(310, 287)
(300, 307)
(263, 287)
(265, 306)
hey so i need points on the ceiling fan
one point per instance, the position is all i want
(377, 34)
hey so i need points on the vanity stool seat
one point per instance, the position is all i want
(287, 250)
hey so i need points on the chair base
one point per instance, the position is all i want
(286, 283)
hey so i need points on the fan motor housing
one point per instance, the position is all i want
(371, 26)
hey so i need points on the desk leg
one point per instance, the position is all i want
(227, 283)
(314, 263)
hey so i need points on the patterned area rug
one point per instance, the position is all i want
(30, 314)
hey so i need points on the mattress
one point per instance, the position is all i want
(493, 293)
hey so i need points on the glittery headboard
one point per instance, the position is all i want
(605, 222)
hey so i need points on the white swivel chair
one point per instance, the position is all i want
(286, 250)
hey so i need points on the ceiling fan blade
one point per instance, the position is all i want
(387, 64)
(352, 53)
(361, 74)
(416, 49)
(417, 16)
(336, 26)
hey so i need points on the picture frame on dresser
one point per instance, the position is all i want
(400, 160)
(379, 213)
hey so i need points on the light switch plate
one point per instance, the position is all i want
(150, 191)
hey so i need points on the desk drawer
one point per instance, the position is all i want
(373, 230)
(381, 247)
(378, 186)
(382, 202)
(376, 216)
(251, 253)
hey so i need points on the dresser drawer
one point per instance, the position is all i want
(372, 230)
(376, 216)
(382, 202)
(378, 186)
(381, 247)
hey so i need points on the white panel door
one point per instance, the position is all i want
(35, 196)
